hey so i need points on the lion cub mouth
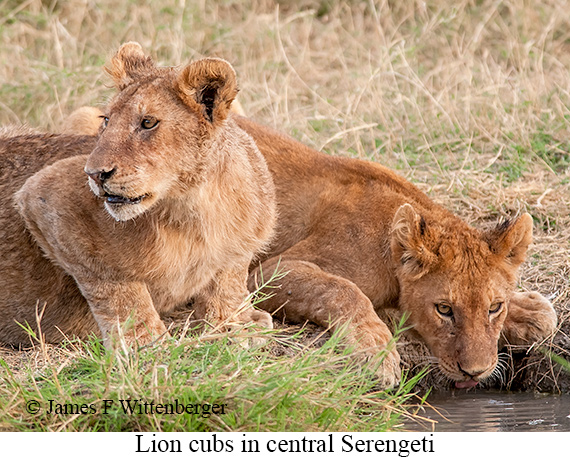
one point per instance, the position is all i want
(465, 384)
(119, 200)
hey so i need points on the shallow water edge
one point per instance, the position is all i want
(493, 411)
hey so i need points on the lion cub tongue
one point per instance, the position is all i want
(465, 384)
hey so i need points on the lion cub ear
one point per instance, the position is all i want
(210, 86)
(511, 239)
(128, 64)
(410, 240)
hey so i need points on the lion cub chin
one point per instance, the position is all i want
(171, 204)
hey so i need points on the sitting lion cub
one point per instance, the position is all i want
(170, 205)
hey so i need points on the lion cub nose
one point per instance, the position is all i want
(100, 176)
(473, 373)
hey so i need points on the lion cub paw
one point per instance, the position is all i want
(260, 320)
(375, 340)
(531, 318)
(136, 337)
(390, 373)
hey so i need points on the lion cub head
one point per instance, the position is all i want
(156, 132)
(455, 284)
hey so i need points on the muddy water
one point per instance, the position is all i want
(488, 411)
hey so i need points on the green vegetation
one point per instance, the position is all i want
(313, 389)
(560, 361)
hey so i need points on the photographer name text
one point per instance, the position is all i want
(129, 406)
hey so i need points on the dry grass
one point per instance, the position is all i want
(469, 99)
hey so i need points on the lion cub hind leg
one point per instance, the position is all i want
(307, 293)
(531, 318)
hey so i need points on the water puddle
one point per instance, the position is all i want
(493, 411)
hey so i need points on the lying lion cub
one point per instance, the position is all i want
(356, 238)
(171, 203)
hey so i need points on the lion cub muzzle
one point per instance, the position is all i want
(97, 181)
(474, 374)
(125, 189)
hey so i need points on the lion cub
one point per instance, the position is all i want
(171, 204)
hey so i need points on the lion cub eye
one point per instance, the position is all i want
(149, 123)
(495, 307)
(444, 309)
(105, 122)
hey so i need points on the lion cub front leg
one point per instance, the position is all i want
(307, 293)
(224, 301)
(123, 309)
(531, 318)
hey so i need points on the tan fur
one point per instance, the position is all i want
(356, 239)
(168, 214)
(86, 120)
